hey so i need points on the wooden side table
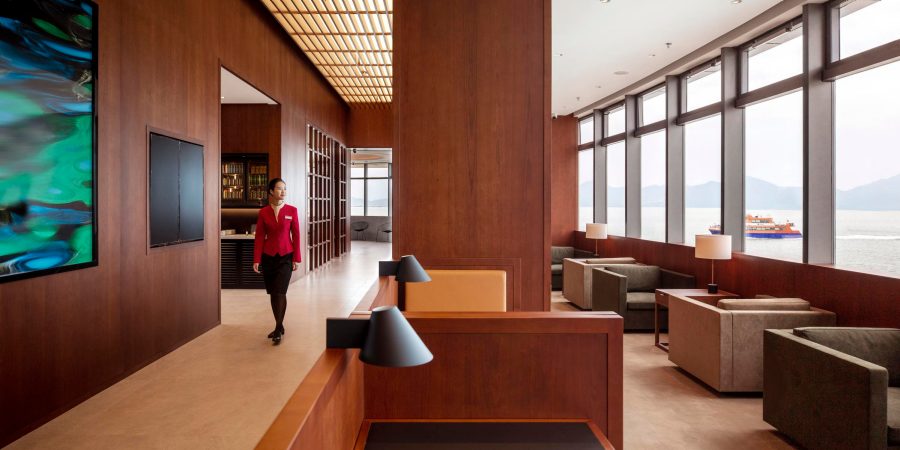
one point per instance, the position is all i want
(662, 299)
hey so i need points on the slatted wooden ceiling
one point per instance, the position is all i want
(348, 40)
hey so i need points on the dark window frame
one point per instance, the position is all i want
(838, 67)
(365, 178)
(786, 86)
(642, 128)
(702, 112)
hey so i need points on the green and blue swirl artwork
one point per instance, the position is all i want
(47, 139)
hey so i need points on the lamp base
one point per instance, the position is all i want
(712, 288)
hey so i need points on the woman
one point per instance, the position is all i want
(276, 250)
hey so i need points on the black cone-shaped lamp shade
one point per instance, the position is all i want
(392, 342)
(410, 271)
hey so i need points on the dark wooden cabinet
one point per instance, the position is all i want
(237, 265)
(244, 179)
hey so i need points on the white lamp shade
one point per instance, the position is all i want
(595, 231)
(713, 246)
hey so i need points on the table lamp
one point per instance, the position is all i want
(386, 338)
(713, 246)
(407, 270)
(595, 231)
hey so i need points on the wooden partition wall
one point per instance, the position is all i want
(327, 192)
(472, 135)
(67, 336)
(516, 366)
(858, 299)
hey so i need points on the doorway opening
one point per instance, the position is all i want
(251, 155)
(371, 194)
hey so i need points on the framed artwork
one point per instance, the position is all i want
(48, 137)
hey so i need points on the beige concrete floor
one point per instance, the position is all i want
(224, 388)
(665, 408)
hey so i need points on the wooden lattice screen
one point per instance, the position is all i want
(328, 170)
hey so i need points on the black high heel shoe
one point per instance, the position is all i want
(276, 339)
(272, 334)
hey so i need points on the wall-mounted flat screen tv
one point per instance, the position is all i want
(48, 139)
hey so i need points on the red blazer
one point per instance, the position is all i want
(277, 237)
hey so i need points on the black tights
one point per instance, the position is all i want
(279, 307)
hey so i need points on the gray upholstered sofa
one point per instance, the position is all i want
(557, 255)
(629, 290)
(722, 345)
(834, 388)
(578, 280)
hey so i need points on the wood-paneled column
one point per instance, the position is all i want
(472, 137)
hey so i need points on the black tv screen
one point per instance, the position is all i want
(176, 191)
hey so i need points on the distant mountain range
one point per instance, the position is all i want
(882, 195)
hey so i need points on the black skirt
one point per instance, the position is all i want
(276, 271)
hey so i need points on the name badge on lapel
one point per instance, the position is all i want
(288, 217)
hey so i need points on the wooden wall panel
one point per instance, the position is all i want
(326, 410)
(472, 134)
(542, 366)
(564, 180)
(370, 126)
(68, 336)
(253, 129)
(858, 299)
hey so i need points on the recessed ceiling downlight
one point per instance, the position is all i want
(621, 72)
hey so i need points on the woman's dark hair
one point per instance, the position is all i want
(273, 182)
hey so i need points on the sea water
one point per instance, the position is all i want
(867, 241)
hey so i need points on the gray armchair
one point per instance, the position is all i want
(833, 388)
(557, 255)
(577, 278)
(630, 291)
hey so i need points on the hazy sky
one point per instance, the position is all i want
(867, 116)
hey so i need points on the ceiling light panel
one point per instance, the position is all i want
(349, 41)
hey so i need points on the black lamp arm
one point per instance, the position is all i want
(345, 333)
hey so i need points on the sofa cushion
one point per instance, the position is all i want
(557, 254)
(767, 304)
(880, 346)
(555, 269)
(640, 278)
(640, 301)
(893, 415)
(623, 260)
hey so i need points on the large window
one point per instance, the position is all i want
(702, 177)
(586, 130)
(704, 87)
(615, 121)
(585, 172)
(653, 186)
(615, 189)
(774, 178)
(585, 188)
(653, 106)
(776, 58)
(370, 189)
(866, 24)
(867, 167)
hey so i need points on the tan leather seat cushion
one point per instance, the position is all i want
(893, 415)
(458, 290)
(640, 301)
(763, 304)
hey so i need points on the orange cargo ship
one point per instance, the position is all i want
(764, 228)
